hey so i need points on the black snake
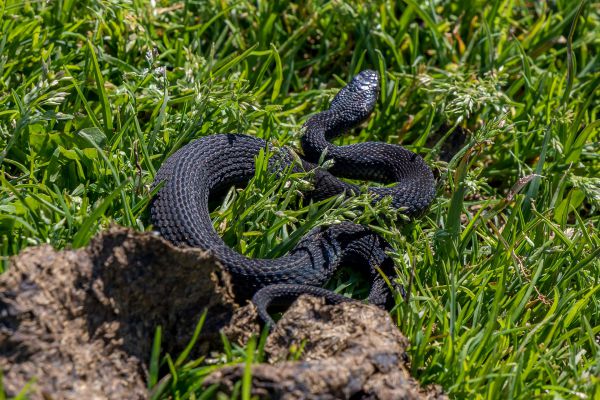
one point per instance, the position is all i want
(214, 163)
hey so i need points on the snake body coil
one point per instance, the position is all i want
(214, 163)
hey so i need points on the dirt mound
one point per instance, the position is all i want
(80, 323)
(349, 351)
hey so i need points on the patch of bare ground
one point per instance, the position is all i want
(80, 323)
(349, 351)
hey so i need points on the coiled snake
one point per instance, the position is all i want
(213, 163)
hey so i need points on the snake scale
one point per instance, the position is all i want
(214, 163)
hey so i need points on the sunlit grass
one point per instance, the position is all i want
(503, 272)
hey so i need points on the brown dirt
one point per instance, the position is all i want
(349, 351)
(80, 323)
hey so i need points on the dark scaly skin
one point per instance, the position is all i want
(214, 163)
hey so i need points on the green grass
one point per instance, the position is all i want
(503, 272)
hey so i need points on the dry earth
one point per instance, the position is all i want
(80, 323)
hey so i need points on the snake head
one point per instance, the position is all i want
(359, 97)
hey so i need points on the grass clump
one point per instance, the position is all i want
(502, 272)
